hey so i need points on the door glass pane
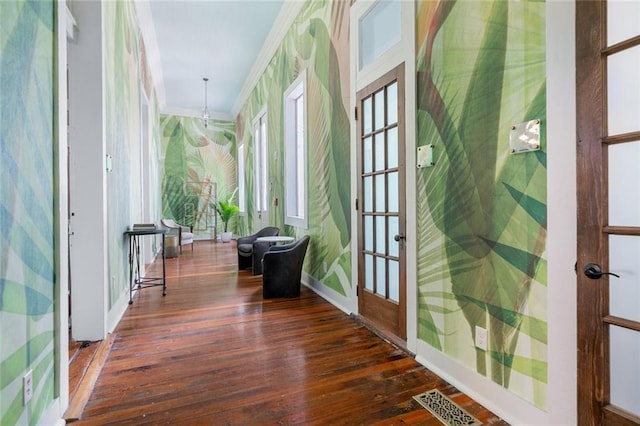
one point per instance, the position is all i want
(381, 235)
(392, 193)
(380, 193)
(367, 155)
(623, 20)
(624, 292)
(368, 272)
(367, 193)
(392, 104)
(392, 148)
(393, 231)
(624, 181)
(378, 121)
(623, 91)
(379, 160)
(368, 233)
(367, 117)
(381, 276)
(394, 280)
(625, 368)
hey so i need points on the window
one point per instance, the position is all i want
(260, 161)
(296, 153)
(380, 29)
(241, 194)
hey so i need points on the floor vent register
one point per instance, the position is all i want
(447, 411)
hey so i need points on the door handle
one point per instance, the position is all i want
(595, 272)
(399, 237)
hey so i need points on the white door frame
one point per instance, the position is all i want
(404, 51)
(87, 177)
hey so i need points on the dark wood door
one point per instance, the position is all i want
(608, 160)
(381, 195)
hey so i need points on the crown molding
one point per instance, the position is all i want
(288, 13)
(148, 30)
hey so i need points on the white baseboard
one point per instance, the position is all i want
(330, 295)
(53, 415)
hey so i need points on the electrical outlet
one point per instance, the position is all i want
(27, 386)
(325, 267)
(481, 338)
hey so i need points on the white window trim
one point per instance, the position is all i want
(242, 191)
(297, 88)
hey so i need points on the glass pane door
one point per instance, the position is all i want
(381, 191)
(380, 195)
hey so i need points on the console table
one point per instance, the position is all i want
(134, 254)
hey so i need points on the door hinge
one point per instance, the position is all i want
(356, 204)
(357, 290)
(355, 113)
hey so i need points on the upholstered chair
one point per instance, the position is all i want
(282, 269)
(246, 246)
(184, 233)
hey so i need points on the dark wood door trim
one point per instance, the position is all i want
(593, 319)
(590, 216)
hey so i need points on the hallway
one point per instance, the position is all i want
(214, 352)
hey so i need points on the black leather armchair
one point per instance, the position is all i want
(246, 247)
(282, 269)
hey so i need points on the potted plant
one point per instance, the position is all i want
(226, 210)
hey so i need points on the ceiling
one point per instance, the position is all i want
(188, 40)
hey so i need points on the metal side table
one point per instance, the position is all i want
(134, 256)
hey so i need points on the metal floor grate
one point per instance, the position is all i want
(447, 411)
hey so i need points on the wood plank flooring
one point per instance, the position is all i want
(213, 352)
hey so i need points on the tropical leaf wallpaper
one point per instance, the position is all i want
(26, 208)
(481, 211)
(199, 164)
(126, 75)
(318, 42)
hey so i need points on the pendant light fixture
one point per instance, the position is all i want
(205, 111)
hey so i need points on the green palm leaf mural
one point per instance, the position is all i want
(197, 159)
(125, 75)
(27, 278)
(309, 46)
(482, 230)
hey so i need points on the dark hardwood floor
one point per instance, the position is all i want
(213, 352)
